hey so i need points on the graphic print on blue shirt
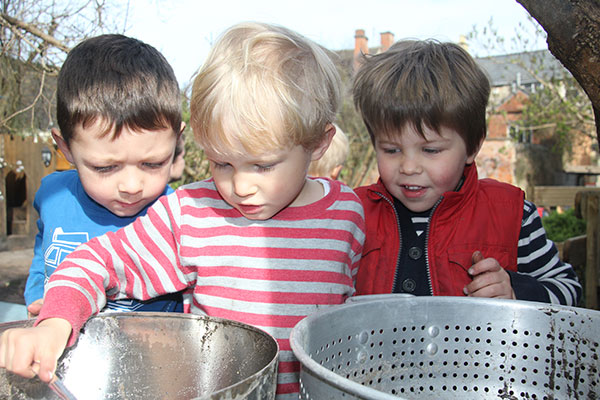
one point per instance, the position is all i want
(63, 243)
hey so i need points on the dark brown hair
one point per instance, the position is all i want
(120, 79)
(424, 83)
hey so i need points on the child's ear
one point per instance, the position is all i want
(471, 158)
(62, 144)
(322, 148)
(335, 173)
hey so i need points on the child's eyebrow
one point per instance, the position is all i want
(107, 159)
(388, 142)
(264, 160)
(437, 139)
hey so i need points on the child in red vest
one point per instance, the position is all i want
(434, 228)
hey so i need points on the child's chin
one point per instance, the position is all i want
(417, 207)
(258, 216)
(130, 212)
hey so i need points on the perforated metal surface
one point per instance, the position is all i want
(449, 348)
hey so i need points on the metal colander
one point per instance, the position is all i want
(389, 347)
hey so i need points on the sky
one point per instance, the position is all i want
(183, 30)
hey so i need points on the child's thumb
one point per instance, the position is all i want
(476, 257)
(34, 309)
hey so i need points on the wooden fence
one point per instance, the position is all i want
(581, 251)
(557, 196)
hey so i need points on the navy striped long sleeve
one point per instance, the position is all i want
(541, 275)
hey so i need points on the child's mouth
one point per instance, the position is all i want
(129, 205)
(250, 209)
(413, 191)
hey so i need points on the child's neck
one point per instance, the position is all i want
(311, 192)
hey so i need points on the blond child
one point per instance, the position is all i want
(119, 118)
(259, 242)
(449, 233)
(332, 162)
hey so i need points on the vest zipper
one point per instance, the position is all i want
(437, 203)
(399, 238)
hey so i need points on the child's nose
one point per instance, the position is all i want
(243, 185)
(130, 183)
(410, 165)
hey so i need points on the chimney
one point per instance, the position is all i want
(361, 46)
(387, 40)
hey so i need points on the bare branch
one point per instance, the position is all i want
(35, 31)
(30, 106)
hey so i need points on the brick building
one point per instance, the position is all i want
(524, 157)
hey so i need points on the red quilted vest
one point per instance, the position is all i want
(484, 215)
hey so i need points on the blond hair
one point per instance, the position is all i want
(263, 87)
(335, 156)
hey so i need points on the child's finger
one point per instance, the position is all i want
(492, 283)
(35, 368)
(18, 362)
(484, 265)
(47, 368)
(3, 351)
(480, 281)
(34, 308)
(476, 257)
(6, 350)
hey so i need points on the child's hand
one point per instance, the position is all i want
(34, 351)
(34, 308)
(489, 279)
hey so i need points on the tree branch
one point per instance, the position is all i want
(35, 31)
(30, 106)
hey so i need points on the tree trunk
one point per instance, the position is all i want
(573, 28)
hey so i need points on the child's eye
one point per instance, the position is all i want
(265, 168)
(104, 169)
(431, 151)
(219, 165)
(154, 165)
(391, 150)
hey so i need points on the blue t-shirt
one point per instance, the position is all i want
(68, 217)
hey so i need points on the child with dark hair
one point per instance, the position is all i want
(119, 119)
(433, 227)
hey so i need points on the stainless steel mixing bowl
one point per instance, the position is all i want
(159, 356)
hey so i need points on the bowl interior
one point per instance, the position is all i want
(152, 355)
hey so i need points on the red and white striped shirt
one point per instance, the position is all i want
(269, 274)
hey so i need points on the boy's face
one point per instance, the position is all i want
(259, 186)
(418, 171)
(124, 174)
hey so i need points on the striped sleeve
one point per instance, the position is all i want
(541, 275)
(139, 261)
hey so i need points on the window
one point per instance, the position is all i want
(520, 134)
